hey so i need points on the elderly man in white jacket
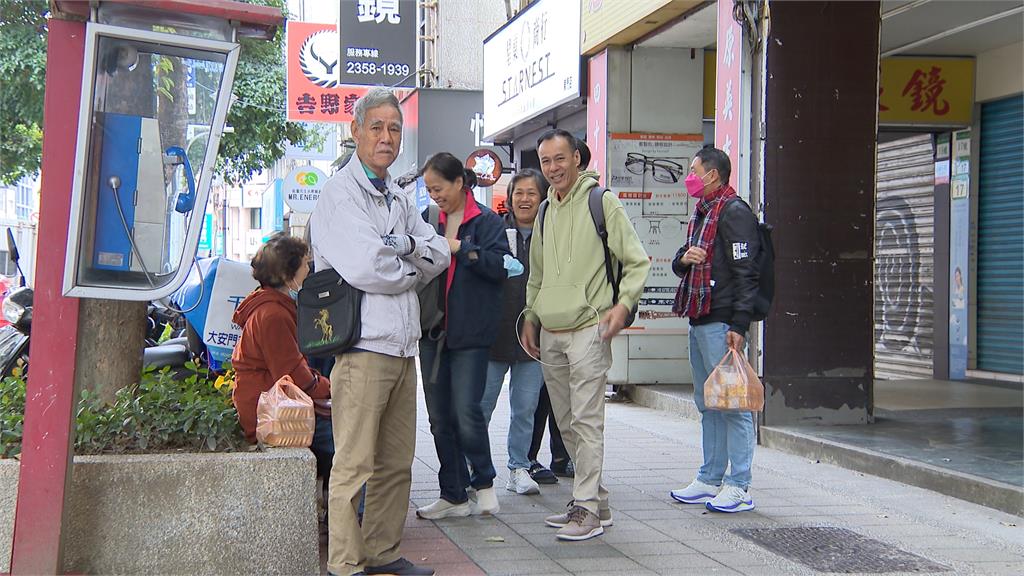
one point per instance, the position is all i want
(370, 232)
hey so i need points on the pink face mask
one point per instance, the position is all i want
(694, 185)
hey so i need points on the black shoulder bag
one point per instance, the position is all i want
(329, 314)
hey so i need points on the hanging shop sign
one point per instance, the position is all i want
(302, 188)
(486, 165)
(531, 64)
(378, 43)
(597, 113)
(314, 90)
(646, 172)
(926, 91)
(729, 93)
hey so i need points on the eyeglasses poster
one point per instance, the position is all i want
(646, 172)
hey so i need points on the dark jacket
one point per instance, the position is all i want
(734, 271)
(474, 280)
(268, 350)
(506, 347)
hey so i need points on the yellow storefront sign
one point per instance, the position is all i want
(926, 91)
(913, 91)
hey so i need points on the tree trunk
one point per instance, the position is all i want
(109, 355)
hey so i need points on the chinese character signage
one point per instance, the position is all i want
(378, 42)
(597, 113)
(926, 91)
(314, 89)
(646, 172)
(728, 93)
(531, 64)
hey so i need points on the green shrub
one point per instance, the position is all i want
(160, 413)
(12, 415)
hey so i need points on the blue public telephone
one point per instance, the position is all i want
(133, 208)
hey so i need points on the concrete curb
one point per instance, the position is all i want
(677, 401)
(1004, 497)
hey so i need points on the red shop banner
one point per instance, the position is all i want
(314, 93)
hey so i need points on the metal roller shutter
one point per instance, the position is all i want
(1000, 345)
(904, 258)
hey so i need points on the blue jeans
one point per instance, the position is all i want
(524, 392)
(728, 437)
(456, 418)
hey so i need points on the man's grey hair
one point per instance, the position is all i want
(376, 97)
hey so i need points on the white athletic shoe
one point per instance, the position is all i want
(731, 499)
(486, 502)
(520, 482)
(443, 509)
(696, 493)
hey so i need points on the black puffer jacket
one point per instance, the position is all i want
(734, 272)
(506, 347)
(475, 278)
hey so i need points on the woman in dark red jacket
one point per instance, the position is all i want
(269, 347)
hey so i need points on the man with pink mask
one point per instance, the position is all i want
(717, 292)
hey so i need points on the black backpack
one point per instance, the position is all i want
(765, 261)
(432, 294)
(595, 201)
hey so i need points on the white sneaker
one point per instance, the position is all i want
(443, 509)
(731, 499)
(696, 493)
(520, 482)
(486, 502)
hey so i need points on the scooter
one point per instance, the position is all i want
(17, 309)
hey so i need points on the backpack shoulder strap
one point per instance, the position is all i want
(434, 216)
(596, 203)
(541, 212)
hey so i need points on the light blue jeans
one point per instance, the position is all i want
(728, 437)
(524, 393)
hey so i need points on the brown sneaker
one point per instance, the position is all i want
(560, 520)
(583, 525)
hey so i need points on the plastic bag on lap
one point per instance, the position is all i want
(284, 415)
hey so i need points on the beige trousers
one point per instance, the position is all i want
(374, 416)
(576, 371)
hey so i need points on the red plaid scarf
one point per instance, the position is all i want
(693, 298)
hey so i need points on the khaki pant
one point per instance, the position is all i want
(576, 384)
(374, 416)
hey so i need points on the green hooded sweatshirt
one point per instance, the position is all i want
(568, 287)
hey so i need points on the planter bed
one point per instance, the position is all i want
(224, 513)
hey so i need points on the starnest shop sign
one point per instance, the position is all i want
(531, 64)
(302, 188)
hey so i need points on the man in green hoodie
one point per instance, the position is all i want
(571, 319)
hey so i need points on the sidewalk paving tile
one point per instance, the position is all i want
(621, 565)
(517, 567)
(647, 454)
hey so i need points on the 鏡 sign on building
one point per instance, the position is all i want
(378, 42)
(927, 91)
(531, 64)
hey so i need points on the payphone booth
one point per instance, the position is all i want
(153, 104)
(136, 99)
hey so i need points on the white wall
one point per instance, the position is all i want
(657, 90)
(667, 94)
(462, 27)
(1000, 73)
